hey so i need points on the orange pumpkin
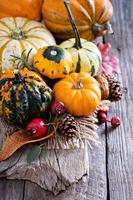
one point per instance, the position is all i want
(25, 8)
(79, 92)
(92, 17)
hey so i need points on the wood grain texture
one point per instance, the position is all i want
(11, 190)
(120, 141)
(93, 188)
(54, 170)
(77, 191)
(97, 182)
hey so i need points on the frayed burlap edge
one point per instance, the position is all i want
(87, 130)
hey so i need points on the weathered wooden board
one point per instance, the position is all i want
(53, 171)
(11, 190)
(95, 189)
(120, 141)
(97, 183)
(77, 191)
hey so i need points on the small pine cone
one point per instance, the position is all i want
(115, 89)
(68, 126)
(110, 78)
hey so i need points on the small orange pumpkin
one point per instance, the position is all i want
(25, 8)
(79, 92)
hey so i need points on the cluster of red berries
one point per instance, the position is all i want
(38, 127)
(102, 117)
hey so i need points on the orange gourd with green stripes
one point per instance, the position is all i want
(23, 95)
(19, 34)
(91, 16)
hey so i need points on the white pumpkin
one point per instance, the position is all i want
(19, 34)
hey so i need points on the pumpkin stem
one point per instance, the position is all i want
(78, 44)
(97, 28)
(17, 34)
(79, 85)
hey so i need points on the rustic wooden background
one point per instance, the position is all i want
(111, 163)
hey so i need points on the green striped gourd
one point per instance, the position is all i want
(19, 34)
(86, 56)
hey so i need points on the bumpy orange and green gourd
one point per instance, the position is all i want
(53, 62)
(23, 95)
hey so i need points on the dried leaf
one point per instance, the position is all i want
(33, 154)
(17, 140)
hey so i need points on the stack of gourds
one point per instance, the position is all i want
(29, 56)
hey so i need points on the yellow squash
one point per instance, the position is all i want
(53, 62)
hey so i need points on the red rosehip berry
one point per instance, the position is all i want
(37, 128)
(57, 107)
(115, 121)
(102, 116)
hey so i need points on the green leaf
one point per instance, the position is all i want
(33, 154)
(92, 70)
(28, 55)
(23, 54)
(15, 57)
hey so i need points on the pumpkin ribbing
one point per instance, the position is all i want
(19, 34)
(92, 17)
(79, 92)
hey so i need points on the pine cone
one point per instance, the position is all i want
(115, 89)
(68, 126)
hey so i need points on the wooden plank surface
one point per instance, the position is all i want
(11, 190)
(97, 182)
(120, 141)
(95, 189)
(111, 164)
